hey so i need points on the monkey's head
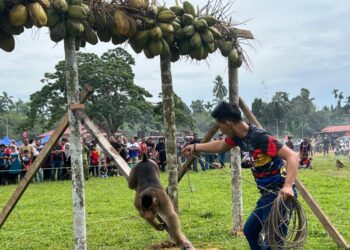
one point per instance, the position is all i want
(149, 205)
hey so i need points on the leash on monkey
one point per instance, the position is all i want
(286, 225)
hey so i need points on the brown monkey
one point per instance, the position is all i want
(152, 200)
(339, 164)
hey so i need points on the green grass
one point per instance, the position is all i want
(43, 218)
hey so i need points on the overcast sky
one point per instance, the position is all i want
(298, 44)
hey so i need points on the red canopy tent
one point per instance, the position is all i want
(66, 133)
(337, 129)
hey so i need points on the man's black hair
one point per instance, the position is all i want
(2, 145)
(227, 112)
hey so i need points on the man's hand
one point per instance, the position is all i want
(287, 192)
(188, 150)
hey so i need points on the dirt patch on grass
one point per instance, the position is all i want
(168, 245)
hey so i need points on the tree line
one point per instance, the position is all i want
(118, 103)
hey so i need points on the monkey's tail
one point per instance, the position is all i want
(144, 156)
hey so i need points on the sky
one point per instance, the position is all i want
(299, 44)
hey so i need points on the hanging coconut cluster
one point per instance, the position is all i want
(17, 15)
(157, 38)
(196, 35)
(72, 18)
(228, 49)
(154, 30)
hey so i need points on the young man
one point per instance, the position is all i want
(134, 149)
(160, 148)
(57, 157)
(268, 168)
(289, 143)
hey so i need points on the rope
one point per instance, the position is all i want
(286, 226)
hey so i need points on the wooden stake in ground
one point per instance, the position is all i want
(236, 181)
(169, 129)
(78, 194)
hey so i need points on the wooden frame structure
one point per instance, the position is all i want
(122, 165)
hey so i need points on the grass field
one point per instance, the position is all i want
(43, 218)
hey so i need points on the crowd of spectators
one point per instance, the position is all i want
(16, 160)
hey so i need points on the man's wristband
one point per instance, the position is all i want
(194, 148)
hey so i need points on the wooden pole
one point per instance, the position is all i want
(316, 209)
(190, 160)
(39, 161)
(170, 129)
(105, 145)
(236, 181)
(72, 87)
(322, 217)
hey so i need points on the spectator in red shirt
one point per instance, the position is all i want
(94, 160)
(143, 147)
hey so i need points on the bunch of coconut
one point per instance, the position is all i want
(228, 49)
(196, 35)
(157, 36)
(116, 23)
(17, 15)
(72, 18)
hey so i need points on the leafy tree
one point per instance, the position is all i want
(279, 105)
(259, 109)
(219, 90)
(208, 106)
(116, 100)
(183, 115)
(197, 106)
(6, 102)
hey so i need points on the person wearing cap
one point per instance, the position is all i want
(273, 177)
(289, 143)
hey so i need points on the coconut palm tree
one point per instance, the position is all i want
(219, 90)
(6, 102)
(208, 106)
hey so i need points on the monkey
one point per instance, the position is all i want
(151, 200)
(339, 164)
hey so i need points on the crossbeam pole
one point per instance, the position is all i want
(39, 161)
(104, 143)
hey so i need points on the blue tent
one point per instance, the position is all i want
(45, 139)
(6, 140)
